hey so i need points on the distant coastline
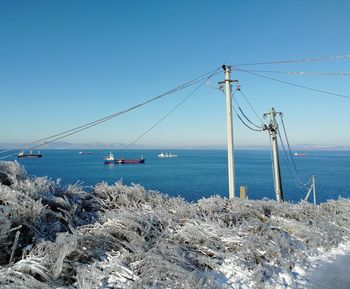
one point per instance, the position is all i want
(97, 145)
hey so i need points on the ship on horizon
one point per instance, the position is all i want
(167, 155)
(110, 160)
(21, 154)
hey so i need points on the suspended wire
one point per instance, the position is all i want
(302, 73)
(212, 86)
(295, 85)
(296, 173)
(8, 156)
(96, 122)
(246, 99)
(169, 113)
(72, 131)
(257, 126)
(287, 159)
(239, 117)
(312, 59)
(244, 115)
(159, 121)
(239, 108)
(289, 149)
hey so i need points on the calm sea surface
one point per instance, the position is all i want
(200, 173)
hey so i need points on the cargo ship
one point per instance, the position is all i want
(130, 161)
(21, 154)
(110, 160)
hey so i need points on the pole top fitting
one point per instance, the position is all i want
(226, 67)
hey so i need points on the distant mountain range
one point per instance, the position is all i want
(67, 145)
(100, 145)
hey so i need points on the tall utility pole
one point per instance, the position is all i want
(230, 155)
(272, 128)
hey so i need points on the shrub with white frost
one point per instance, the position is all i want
(120, 236)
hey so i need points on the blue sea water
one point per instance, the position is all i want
(200, 173)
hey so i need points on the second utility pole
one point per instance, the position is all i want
(230, 155)
(272, 128)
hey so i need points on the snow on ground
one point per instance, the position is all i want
(333, 273)
(127, 237)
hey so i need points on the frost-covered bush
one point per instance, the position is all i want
(128, 237)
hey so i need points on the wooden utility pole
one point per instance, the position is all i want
(272, 128)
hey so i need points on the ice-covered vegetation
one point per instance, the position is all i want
(127, 237)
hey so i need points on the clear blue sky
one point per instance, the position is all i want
(64, 63)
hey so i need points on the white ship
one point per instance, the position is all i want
(167, 155)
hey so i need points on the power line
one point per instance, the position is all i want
(254, 111)
(249, 127)
(244, 115)
(169, 113)
(311, 59)
(289, 149)
(295, 85)
(239, 117)
(8, 156)
(75, 130)
(307, 73)
(296, 173)
(159, 121)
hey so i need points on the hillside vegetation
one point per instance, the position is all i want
(117, 236)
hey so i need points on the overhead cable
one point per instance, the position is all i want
(170, 112)
(252, 108)
(159, 121)
(8, 156)
(295, 85)
(296, 173)
(245, 124)
(301, 72)
(239, 117)
(289, 149)
(311, 59)
(64, 134)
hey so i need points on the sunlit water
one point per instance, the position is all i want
(200, 173)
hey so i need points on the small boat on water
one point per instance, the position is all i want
(167, 155)
(109, 160)
(21, 154)
(85, 153)
(299, 154)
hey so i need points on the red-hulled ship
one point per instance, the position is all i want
(130, 161)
